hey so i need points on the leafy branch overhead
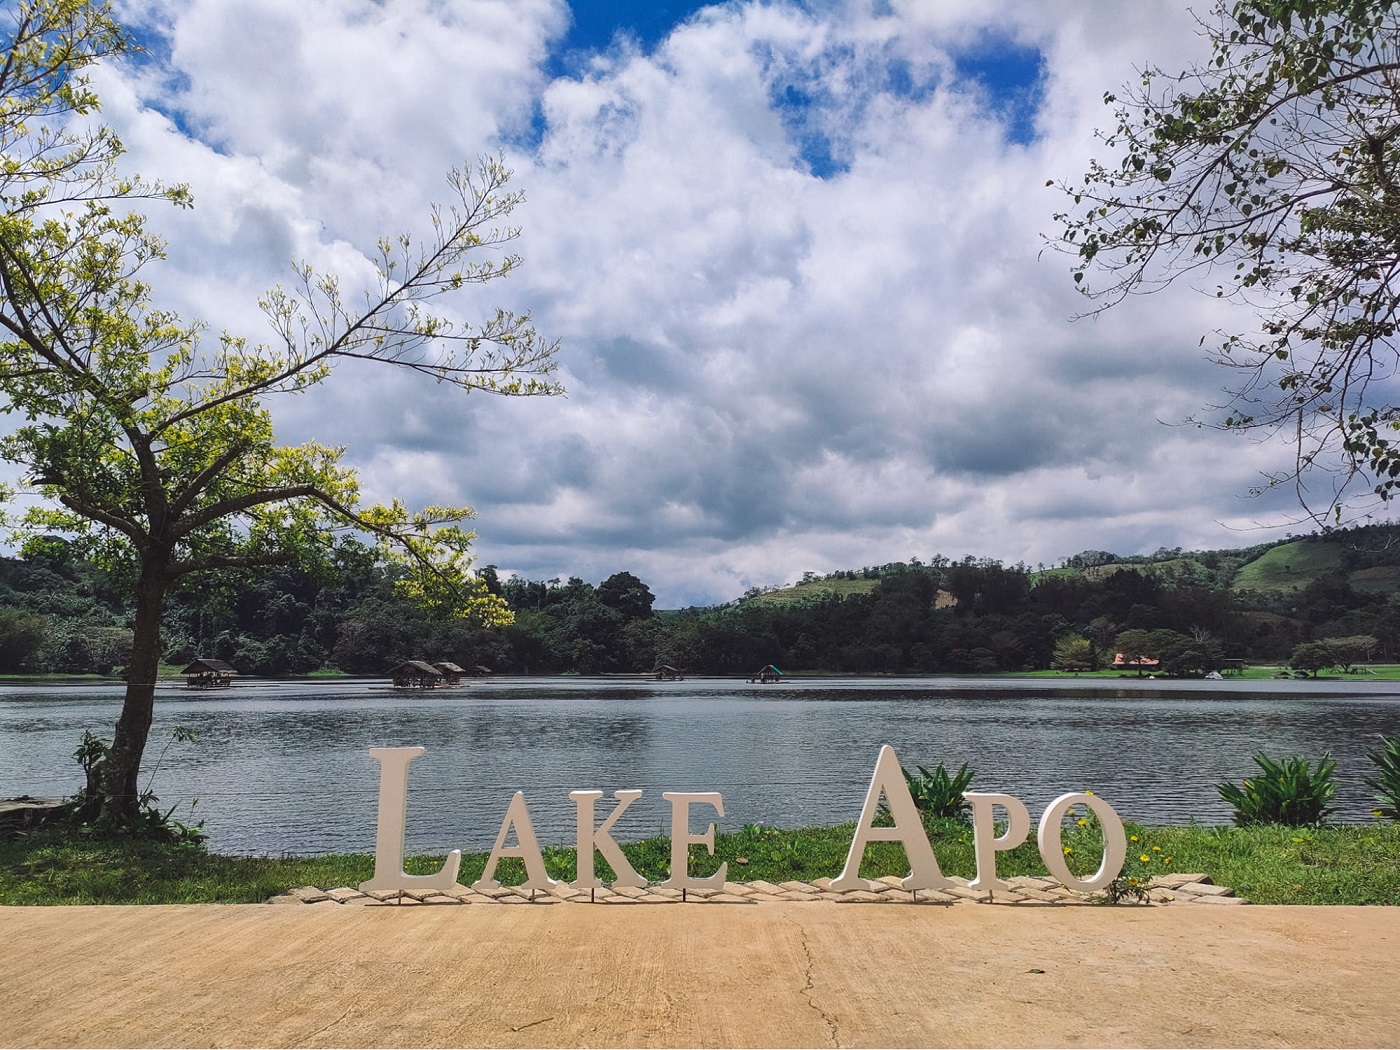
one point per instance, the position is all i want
(1268, 176)
(157, 452)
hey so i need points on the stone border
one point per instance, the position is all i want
(1026, 890)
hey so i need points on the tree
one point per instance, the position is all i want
(624, 593)
(1312, 657)
(1136, 646)
(156, 453)
(1074, 652)
(1350, 650)
(1272, 171)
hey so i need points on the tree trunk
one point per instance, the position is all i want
(122, 768)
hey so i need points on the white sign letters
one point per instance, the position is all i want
(886, 782)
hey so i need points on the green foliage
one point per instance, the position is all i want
(1074, 652)
(149, 823)
(1291, 792)
(938, 794)
(1312, 657)
(155, 452)
(349, 612)
(1143, 862)
(1266, 864)
(1269, 170)
(1386, 783)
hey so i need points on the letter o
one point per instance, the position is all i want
(1115, 842)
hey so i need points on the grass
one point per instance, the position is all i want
(1260, 672)
(1291, 566)
(806, 592)
(1269, 865)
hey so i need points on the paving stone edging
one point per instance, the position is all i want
(1025, 890)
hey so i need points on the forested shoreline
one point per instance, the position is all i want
(1190, 612)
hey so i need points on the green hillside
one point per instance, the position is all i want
(1290, 566)
(814, 590)
(1369, 558)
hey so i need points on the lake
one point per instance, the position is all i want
(281, 767)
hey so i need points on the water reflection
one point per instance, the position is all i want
(283, 767)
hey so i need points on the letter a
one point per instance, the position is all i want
(888, 780)
(527, 849)
(393, 815)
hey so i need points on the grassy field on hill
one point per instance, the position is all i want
(1292, 565)
(814, 590)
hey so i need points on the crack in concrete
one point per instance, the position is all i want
(806, 990)
(306, 1039)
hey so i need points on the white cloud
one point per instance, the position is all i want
(768, 371)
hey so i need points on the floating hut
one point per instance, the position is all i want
(482, 671)
(768, 674)
(208, 674)
(416, 674)
(667, 673)
(451, 673)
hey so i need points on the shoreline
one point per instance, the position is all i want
(1251, 673)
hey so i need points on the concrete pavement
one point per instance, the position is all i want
(772, 974)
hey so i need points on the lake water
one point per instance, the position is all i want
(283, 768)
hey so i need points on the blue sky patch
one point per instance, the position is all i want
(1012, 76)
(597, 22)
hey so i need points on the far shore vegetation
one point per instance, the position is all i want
(1273, 864)
(1248, 673)
(1322, 605)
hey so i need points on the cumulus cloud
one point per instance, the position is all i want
(794, 253)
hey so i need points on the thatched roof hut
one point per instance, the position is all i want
(416, 674)
(208, 674)
(667, 673)
(451, 673)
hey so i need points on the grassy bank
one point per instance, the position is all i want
(1270, 865)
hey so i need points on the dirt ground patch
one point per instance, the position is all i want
(699, 975)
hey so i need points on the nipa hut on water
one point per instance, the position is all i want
(208, 674)
(768, 674)
(667, 673)
(451, 673)
(416, 674)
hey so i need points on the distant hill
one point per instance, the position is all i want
(813, 590)
(1368, 556)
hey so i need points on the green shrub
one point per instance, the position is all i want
(1387, 784)
(940, 795)
(1290, 792)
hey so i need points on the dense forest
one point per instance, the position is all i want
(1330, 598)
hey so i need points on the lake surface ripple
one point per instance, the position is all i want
(282, 767)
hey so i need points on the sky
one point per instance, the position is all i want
(793, 250)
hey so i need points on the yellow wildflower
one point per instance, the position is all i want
(1143, 858)
(1068, 851)
(1156, 849)
(1082, 822)
(1132, 838)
